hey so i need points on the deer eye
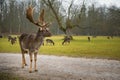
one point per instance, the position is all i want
(41, 29)
(47, 28)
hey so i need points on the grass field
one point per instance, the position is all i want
(99, 47)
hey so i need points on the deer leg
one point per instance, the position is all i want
(23, 56)
(62, 43)
(35, 59)
(30, 69)
(24, 61)
(68, 42)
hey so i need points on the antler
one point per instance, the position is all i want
(29, 15)
(41, 17)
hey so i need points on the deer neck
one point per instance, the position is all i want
(39, 36)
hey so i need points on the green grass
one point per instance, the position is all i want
(99, 47)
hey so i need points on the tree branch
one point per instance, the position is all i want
(49, 4)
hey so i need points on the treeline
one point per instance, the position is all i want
(100, 21)
(93, 20)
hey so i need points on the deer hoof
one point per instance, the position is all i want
(25, 64)
(30, 71)
(22, 66)
(36, 70)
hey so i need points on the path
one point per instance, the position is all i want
(62, 68)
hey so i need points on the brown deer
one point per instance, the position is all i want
(89, 39)
(1, 36)
(9, 38)
(66, 40)
(50, 41)
(12, 40)
(32, 42)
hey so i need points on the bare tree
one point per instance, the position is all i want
(67, 25)
(31, 42)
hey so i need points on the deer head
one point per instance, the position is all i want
(43, 26)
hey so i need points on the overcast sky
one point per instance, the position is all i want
(102, 2)
(89, 2)
(107, 3)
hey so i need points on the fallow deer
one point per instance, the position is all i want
(12, 40)
(89, 39)
(66, 40)
(32, 42)
(9, 38)
(50, 41)
(1, 36)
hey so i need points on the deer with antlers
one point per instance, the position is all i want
(30, 43)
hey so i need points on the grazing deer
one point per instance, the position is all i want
(66, 40)
(31, 42)
(9, 38)
(12, 39)
(108, 37)
(1, 36)
(50, 41)
(89, 39)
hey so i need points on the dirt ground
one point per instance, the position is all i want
(62, 68)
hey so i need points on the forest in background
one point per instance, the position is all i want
(79, 19)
